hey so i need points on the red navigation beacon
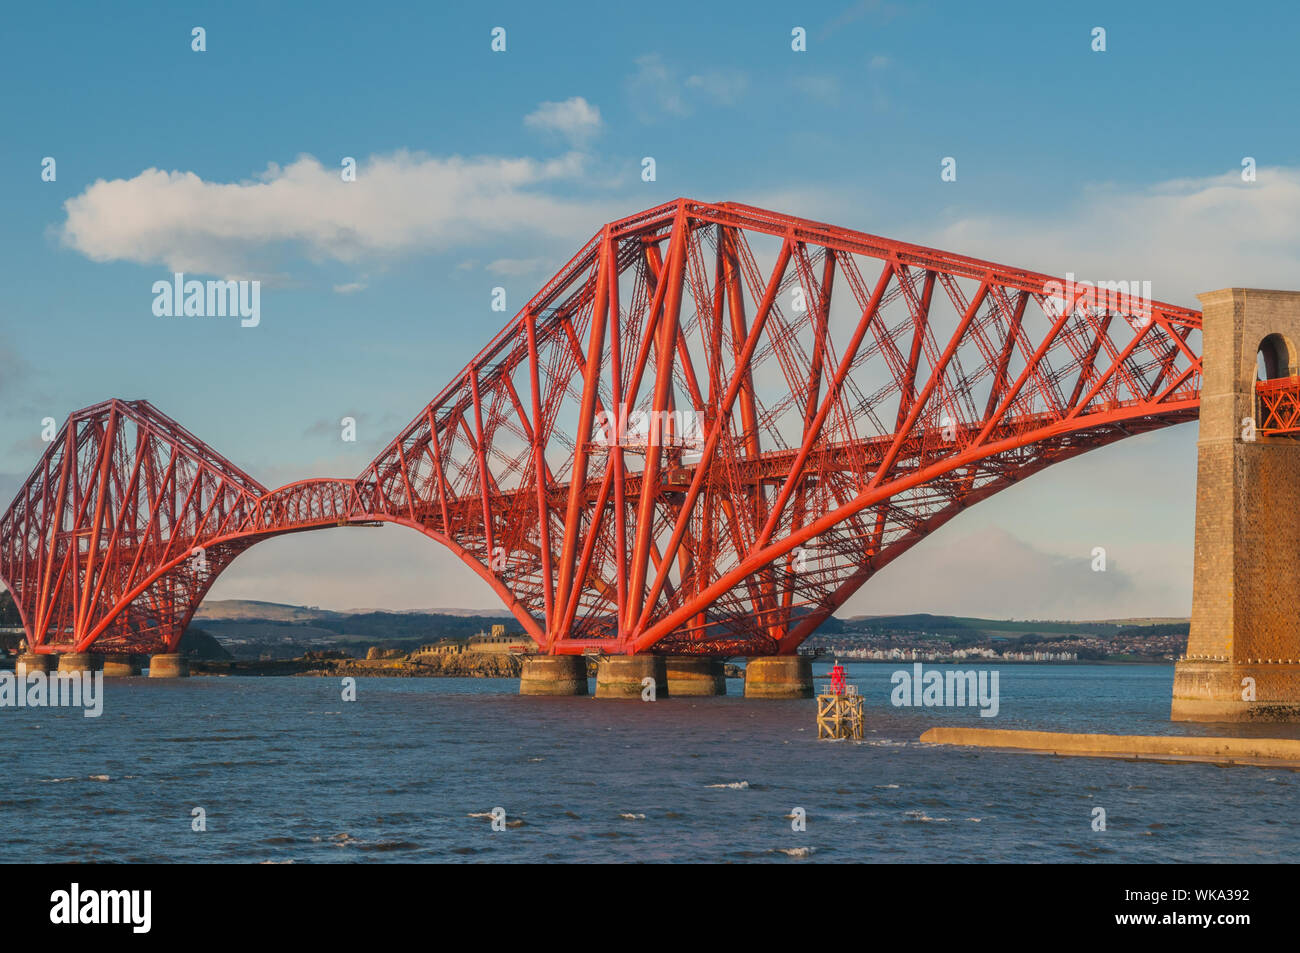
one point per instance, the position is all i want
(837, 678)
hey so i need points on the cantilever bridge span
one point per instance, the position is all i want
(700, 437)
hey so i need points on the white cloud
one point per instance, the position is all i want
(882, 12)
(23, 390)
(824, 88)
(575, 119)
(994, 574)
(352, 287)
(514, 267)
(404, 570)
(1028, 550)
(655, 88)
(15, 370)
(724, 87)
(399, 204)
(1185, 236)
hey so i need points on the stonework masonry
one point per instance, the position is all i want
(1246, 584)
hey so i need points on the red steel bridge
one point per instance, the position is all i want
(705, 433)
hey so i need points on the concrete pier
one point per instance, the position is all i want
(779, 676)
(168, 665)
(80, 662)
(33, 662)
(1280, 752)
(690, 676)
(553, 675)
(121, 666)
(1218, 690)
(620, 676)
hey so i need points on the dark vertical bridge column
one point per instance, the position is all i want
(1243, 654)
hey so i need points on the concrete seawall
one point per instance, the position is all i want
(1281, 752)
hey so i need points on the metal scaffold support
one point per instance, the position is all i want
(840, 716)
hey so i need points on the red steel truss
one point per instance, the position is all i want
(704, 434)
(1279, 405)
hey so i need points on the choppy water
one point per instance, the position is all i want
(285, 770)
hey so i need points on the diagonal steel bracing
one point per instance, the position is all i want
(702, 436)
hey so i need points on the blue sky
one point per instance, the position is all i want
(1121, 163)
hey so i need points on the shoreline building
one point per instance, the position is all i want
(495, 642)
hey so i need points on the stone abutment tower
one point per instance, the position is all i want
(1243, 655)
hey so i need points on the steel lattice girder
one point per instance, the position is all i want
(852, 395)
(1279, 405)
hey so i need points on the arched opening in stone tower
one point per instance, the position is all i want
(1273, 359)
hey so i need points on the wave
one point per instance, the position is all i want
(794, 851)
(922, 816)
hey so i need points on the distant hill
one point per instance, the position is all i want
(460, 613)
(235, 609)
(251, 620)
(253, 629)
(922, 621)
(199, 644)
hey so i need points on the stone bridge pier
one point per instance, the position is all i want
(1243, 654)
